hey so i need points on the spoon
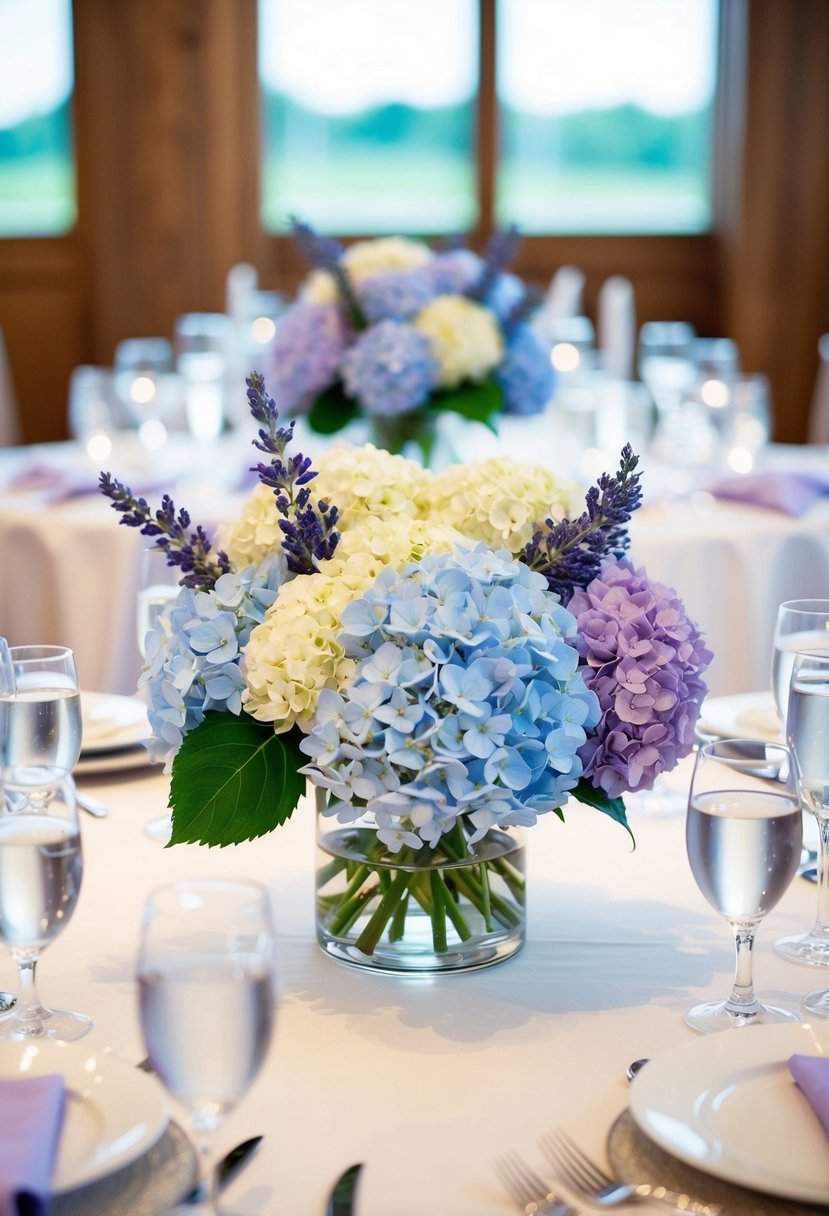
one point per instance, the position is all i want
(633, 1069)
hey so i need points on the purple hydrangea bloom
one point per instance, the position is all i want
(397, 295)
(525, 374)
(455, 272)
(309, 343)
(390, 369)
(644, 658)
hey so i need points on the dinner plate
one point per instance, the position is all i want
(727, 1104)
(113, 1114)
(114, 762)
(112, 723)
(748, 715)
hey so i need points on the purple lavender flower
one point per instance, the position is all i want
(525, 375)
(644, 658)
(397, 295)
(390, 369)
(454, 272)
(309, 343)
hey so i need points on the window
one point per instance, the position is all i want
(604, 114)
(37, 177)
(368, 112)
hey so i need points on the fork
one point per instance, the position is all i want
(528, 1189)
(586, 1178)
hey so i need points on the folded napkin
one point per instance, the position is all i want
(790, 493)
(55, 482)
(31, 1112)
(812, 1076)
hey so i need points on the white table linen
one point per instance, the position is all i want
(426, 1080)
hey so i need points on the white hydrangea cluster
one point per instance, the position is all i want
(498, 500)
(255, 533)
(465, 338)
(368, 481)
(364, 259)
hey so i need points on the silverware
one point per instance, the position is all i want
(634, 1067)
(341, 1199)
(528, 1189)
(91, 805)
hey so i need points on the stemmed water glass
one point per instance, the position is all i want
(207, 1000)
(744, 832)
(807, 733)
(40, 879)
(800, 625)
(40, 721)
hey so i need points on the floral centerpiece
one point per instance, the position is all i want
(445, 657)
(394, 332)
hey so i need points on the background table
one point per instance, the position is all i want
(427, 1080)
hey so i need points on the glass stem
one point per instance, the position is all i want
(821, 926)
(29, 1009)
(742, 1000)
(204, 1199)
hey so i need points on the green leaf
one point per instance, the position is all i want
(614, 807)
(332, 410)
(478, 402)
(233, 780)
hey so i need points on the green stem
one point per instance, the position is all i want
(454, 913)
(334, 867)
(436, 885)
(361, 873)
(358, 903)
(371, 934)
(486, 896)
(398, 921)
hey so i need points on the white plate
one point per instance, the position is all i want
(748, 715)
(113, 1114)
(726, 1103)
(113, 762)
(111, 722)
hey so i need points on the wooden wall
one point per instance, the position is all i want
(167, 147)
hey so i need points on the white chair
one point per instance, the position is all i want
(563, 298)
(617, 327)
(819, 414)
(9, 417)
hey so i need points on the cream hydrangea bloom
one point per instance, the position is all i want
(498, 500)
(465, 338)
(295, 652)
(368, 481)
(255, 533)
(364, 259)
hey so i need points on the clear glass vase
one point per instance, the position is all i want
(454, 907)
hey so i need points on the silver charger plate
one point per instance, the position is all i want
(152, 1185)
(637, 1159)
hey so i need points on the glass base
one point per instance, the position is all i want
(816, 1004)
(717, 1015)
(160, 828)
(65, 1025)
(805, 948)
(420, 958)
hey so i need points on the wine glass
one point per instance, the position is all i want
(666, 361)
(40, 878)
(801, 625)
(807, 733)
(206, 997)
(40, 721)
(743, 834)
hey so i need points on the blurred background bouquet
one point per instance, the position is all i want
(395, 333)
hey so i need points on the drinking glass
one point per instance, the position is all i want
(744, 832)
(807, 733)
(206, 997)
(40, 879)
(801, 625)
(40, 721)
(203, 343)
(666, 361)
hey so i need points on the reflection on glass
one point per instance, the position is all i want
(368, 114)
(606, 114)
(37, 171)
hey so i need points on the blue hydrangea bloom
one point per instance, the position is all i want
(390, 369)
(307, 348)
(193, 661)
(504, 295)
(396, 295)
(525, 374)
(455, 272)
(467, 701)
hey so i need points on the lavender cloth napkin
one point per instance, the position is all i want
(812, 1076)
(31, 1113)
(790, 493)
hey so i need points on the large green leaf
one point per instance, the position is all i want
(331, 411)
(479, 402)
(614, 807)
(233, 780)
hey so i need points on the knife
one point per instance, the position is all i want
(341, 1199)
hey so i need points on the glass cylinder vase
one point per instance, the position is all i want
(452, 907)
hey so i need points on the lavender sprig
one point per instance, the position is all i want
(309, 530)
(526, 306)
(570, 553)
(324, 253)
(500, 250)
(186, 549)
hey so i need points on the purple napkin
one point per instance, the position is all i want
(812, 1076)
(31, 1112)
(790, 493)
(54, 482)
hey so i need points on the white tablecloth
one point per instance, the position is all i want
(68, 570)
(427, 1080)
